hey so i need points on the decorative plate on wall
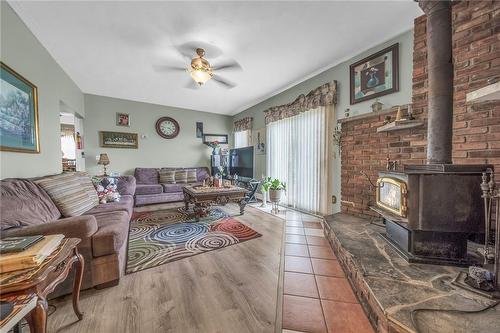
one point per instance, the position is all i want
(167, 128)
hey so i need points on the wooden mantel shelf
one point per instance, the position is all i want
(398, 125)
(489, 93)
(372, 114)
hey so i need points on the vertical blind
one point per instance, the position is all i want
(242, 139)
(297, 154)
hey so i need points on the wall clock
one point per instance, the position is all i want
(167, 128)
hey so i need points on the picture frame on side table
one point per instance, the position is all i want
(122, 119)
(19, 129)
(375, 76)
(118, 140)
(220, 138)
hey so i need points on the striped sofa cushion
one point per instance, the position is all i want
(191, 176)
(180, 176)
(167, 176)
(88, 185)
(68, 194)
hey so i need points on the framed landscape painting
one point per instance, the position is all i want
(119, 140)
(18, 113)
(375, 76)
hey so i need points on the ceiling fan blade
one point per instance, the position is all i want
(228, 65)
(223, 82)
(166, 68)
(192, 85)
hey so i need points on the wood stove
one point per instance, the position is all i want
(436, 210)
(443, 200)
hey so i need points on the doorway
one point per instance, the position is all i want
(68, 142)
(71, 128)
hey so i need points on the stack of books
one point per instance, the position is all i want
(26, 252)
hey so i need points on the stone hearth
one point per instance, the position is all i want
(390, 288)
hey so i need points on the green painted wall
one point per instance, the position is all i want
(340, 73)
(20, 50)
(183, 151)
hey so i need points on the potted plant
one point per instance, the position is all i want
(276, 190)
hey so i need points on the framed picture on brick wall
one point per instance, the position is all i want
(375, 76)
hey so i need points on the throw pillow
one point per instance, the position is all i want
(191, 176)
(107, 189)
(87, 184)
(180, 176)
(167, 176)
(67, 192)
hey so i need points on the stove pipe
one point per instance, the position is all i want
(440, 81)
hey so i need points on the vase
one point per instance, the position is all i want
(373, 81)
(275, 195)
(264, 199)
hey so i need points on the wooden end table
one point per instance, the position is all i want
(203, 198)
(43, 279)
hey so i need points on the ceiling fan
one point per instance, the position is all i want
(201, 71)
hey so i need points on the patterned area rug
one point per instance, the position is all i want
(162, 236)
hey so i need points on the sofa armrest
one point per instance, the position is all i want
(126, 185)
(72, 227)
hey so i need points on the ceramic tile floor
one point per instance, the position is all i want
(317, 298)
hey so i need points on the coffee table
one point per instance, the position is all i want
(203, 198)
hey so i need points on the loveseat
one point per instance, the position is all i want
(150, 190)
(27, 209)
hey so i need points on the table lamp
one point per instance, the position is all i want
(103, 160)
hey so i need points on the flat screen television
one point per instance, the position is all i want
(241, 162)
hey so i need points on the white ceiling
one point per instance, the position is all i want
(111, 48)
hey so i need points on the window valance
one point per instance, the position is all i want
(322, 96)
(243, 124)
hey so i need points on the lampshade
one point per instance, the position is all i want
(200, 75)
(103, 159)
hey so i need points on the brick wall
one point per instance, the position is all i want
(476, 127)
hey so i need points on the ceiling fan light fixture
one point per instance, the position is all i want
(200, 75)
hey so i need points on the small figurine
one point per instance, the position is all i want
(410, 112)
(387, 120)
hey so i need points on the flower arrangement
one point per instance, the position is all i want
(214, 144)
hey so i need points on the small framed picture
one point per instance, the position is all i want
(199, 129)
(122, 119)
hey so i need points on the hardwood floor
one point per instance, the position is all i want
(234, 289)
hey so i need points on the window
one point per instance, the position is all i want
(242, 139)
(298, 155)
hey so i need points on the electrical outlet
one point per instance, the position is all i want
(334, 199)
